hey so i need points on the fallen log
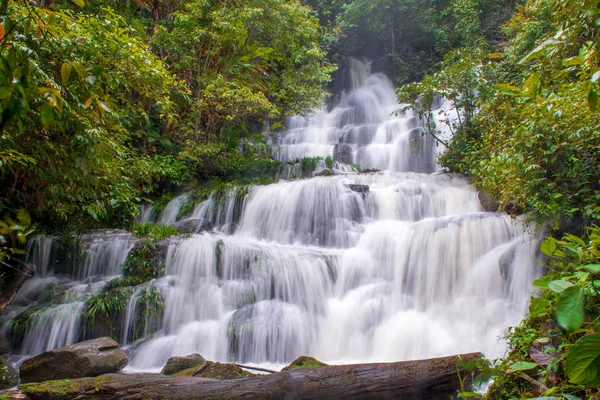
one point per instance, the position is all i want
(409, 380)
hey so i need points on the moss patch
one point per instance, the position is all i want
(304, 362)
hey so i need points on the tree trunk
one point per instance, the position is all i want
(410, 380)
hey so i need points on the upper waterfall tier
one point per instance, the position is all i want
(361, 129)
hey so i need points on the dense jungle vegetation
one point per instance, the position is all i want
(107, 104)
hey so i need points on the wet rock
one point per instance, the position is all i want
(358, 188)
(178, 364)
(4, 345)
(344, 153)
(488, 202)
(85, 359)
(369, 171)
(216, 370)
(325, 172)
(193, 225)
(9, 376)
(304, 362)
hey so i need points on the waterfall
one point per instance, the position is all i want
(357, 267)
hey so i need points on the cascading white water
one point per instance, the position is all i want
(381, 266)
(58, 324)
(412, 269)
(361, 129)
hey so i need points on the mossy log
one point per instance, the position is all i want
(410, 380)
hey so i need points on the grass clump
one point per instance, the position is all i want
(154, 231)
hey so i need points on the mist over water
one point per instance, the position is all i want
(383, 266)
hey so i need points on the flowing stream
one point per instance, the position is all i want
(357, 267)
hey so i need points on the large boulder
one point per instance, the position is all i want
(85, 359)
(193, 225)
(178, 364)
(9, 376)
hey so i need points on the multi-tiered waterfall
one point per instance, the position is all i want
(380, 266)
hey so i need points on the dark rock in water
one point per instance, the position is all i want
(358, 188)
(344, 153)
(369, 171)
(304, 362)
(216, 370)
(193, 225)
(178, 364)
(4, 345)
(505, 261)
(9, 376)
(488, 202)
(85, 359)
(359, 135)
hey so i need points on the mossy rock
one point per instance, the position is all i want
(369, 171)
(179, 364)
(216, 370)
(325, 172)
(304, 362)
(9, 376)
(89, 358)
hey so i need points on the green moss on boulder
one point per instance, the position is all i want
(304, 362)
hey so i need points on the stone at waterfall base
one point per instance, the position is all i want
(178, 364)
(9, 376)
(86, 359)
(215, 370)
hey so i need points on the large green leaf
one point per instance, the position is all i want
(583, 361)
(559, 285)
(539, 306)
(570, 311)
(522, 366)
(548, 246)
(593, 268)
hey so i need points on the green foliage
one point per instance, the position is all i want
(557, 343)
(329, 162)
(242, 61)
(74, 88)
(108, 303)
(13, 234)
(309, 164)
(154, 231)
(143, 264)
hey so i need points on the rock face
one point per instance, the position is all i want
(362, 189)
(304, 362)
(343, 152)
(216, 370)
(4, 345)
(85, 359)
(178, 364)
(193, 225)
(9, 376)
